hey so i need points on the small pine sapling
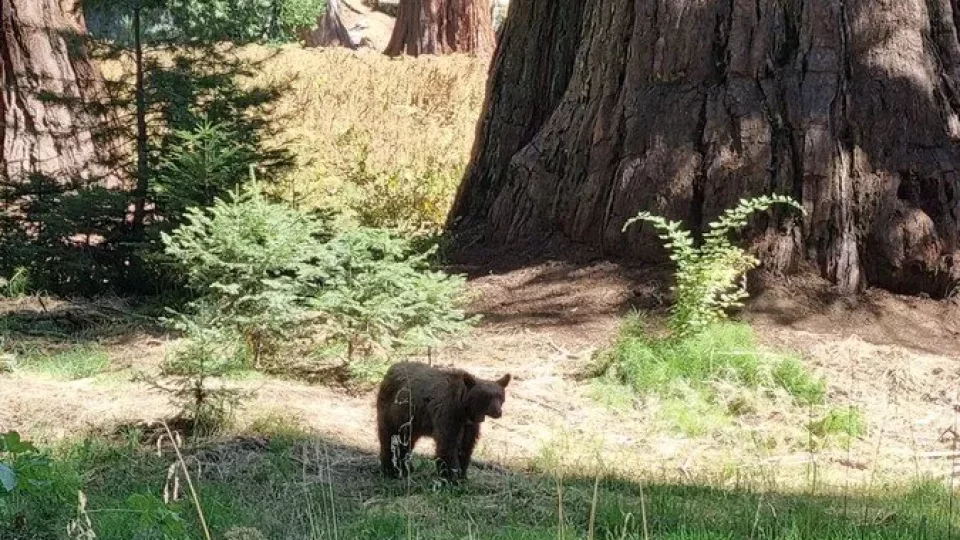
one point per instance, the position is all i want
(193, 375)
(377, 291)
(244, 255)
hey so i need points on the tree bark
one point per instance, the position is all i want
(52, 96)
(442, 27)
(683, 108)
(330, 31)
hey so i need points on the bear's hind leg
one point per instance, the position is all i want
(395, 448)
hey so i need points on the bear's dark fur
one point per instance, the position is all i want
(448, 405)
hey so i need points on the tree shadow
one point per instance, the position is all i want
(272, 481)
(74, 231)
(35, 323)
(809, 303)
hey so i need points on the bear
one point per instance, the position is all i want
(448, 405)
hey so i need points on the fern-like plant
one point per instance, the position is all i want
(709, 277)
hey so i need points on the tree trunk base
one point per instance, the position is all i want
(442, 27)
(682, 109)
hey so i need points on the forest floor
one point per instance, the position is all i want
(894, 358)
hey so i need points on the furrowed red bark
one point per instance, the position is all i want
(442, 27)
(50, 96)
(683, 108)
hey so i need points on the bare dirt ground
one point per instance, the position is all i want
(897, 358)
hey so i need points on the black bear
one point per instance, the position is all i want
(448, 405)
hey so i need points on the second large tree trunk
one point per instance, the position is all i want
(329, 30)
(52, 96)
(598, 110)
(442, 27)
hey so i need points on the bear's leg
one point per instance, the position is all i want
(448, 452)
(468, 440)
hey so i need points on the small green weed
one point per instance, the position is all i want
(611, 394)
(790, 374)
(847, 421)
(693, 415)
(79, 362)
(18, 285)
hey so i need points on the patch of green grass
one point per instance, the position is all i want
(790, 374)
(319, 489)
(78, 362)
(611, 394)
(723, 352)
(282, 430)
(652, 365)
(847, 421)
(693, 415)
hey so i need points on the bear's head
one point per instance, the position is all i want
(484, 398)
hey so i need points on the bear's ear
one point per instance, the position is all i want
(504, 381)
(469, 380)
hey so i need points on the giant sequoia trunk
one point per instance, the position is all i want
(442, 27)
(51, 97)
(596, 110)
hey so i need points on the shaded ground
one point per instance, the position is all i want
(894, 357)
(287, 486)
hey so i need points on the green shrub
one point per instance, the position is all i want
(706, 276)
(408, 198)
(211, 20)
(33, 489)
(243, 255)
(375, 289)
(297, 14)
(199, 166)
(270, 270)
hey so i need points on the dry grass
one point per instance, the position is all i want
(365, 128)
(409, 119)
